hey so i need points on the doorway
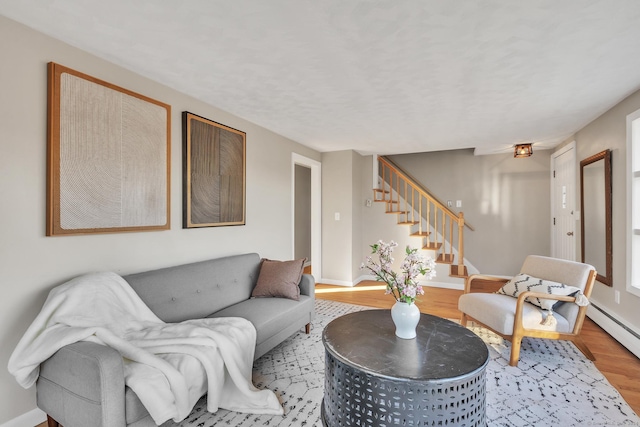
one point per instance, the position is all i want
(309, 219)
(563, 203)
(302, 215)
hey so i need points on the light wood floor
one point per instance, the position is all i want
(619, 365)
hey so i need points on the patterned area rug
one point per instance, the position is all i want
(553, 385)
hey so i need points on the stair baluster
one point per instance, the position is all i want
(435, 219)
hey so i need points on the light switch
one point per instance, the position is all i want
(337, 216)
(458, 203)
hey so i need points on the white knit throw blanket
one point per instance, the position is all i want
(168, 365)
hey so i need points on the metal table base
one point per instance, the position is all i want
(368, 382)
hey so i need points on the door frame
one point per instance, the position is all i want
(316, 211)
(563, 150)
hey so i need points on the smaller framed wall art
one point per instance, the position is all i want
(108, 157)
(214, 175)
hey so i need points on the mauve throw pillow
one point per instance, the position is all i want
(279, 279)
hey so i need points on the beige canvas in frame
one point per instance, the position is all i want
(214, 173)
(108, 157)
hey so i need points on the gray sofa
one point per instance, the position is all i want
(83, 383)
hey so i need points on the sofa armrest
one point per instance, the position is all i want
(82, 384)
(307, 285)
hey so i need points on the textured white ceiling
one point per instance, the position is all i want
(387, 76)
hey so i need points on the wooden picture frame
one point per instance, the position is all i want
(108, 157)
(214, 173)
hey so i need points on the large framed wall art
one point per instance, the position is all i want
(214, 162)
(108, 157)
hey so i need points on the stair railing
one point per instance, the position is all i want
(404, 197)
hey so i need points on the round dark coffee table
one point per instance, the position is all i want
(373, 378)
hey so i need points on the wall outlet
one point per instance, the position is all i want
(449, 203)
(616, 296)
(367, 203)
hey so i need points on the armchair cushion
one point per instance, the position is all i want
(498, 312)
(524, 283)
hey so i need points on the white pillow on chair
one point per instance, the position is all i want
(524, 283)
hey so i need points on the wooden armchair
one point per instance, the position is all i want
(514, 318)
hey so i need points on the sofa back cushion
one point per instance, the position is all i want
(193, 291)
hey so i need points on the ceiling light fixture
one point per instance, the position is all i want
(523, 150)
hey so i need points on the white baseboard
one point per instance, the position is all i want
(30, 419)
(429, 283)
(616, 330)
(334, 282)
(445, 285)
(365, 277)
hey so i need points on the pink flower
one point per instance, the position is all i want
(404, 286)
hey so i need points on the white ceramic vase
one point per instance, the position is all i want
(405, 317)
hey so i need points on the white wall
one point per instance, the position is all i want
(31, 264)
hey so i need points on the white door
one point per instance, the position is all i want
(563, 203)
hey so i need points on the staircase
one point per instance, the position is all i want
(428, 219)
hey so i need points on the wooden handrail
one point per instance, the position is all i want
(418, 186)
(410, 184)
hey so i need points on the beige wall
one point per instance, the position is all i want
(359, 164)
(337, 235)
(31, 264)
(376, 225)
(342, 182)
(506, 200)
(609, 131)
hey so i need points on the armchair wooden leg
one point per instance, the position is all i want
(307, 328)
(463, 320)
(515, 351)
(583, 348)
(51, 422)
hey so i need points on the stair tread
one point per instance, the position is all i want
(432, 246)
(397, 204)
(445, 259)
(420, 233)
(455, 271)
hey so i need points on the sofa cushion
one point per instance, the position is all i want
(193, 291)
(135, 410)
(268, 315)
(279, 279)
